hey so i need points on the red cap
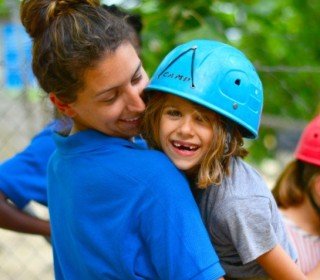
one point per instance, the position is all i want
(308, 148)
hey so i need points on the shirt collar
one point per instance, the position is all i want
(88, 140)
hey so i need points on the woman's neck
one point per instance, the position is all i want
(304, 216)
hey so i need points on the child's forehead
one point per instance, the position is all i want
(175, 100)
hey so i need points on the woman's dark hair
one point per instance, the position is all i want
(133, 20)
(69, 36)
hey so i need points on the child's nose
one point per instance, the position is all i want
(186, 126)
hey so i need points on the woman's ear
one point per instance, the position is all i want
(64, 108)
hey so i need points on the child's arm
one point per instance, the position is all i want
(279, 266)
(315, 273)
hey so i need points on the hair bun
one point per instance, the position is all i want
(37, 15)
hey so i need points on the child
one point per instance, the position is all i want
(204, 97)
(112, 215)
(297, 193)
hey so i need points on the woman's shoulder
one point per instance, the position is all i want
(149, 158)
(156, 171)
(150, 163)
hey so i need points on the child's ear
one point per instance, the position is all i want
(64, 108)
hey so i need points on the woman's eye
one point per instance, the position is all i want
(110, 99)
(136, 79)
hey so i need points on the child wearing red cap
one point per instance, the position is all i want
(297, 193)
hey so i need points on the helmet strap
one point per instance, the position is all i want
(193, 49)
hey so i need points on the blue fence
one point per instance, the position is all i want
(17, 55)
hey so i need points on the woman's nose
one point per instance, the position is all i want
(134, 100)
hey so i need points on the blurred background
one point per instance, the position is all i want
(281, 38)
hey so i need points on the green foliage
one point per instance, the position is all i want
(279, 37)
(4, 10)
(8, 8)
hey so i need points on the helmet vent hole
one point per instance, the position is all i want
(237, 82)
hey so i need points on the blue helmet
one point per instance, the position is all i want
(216, 76)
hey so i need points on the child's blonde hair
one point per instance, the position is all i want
(227, 142)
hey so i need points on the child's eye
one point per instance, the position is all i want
(173, 113)
(203, 119)
(199, 118)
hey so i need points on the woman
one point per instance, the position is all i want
(23, 177)
(113, 214)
